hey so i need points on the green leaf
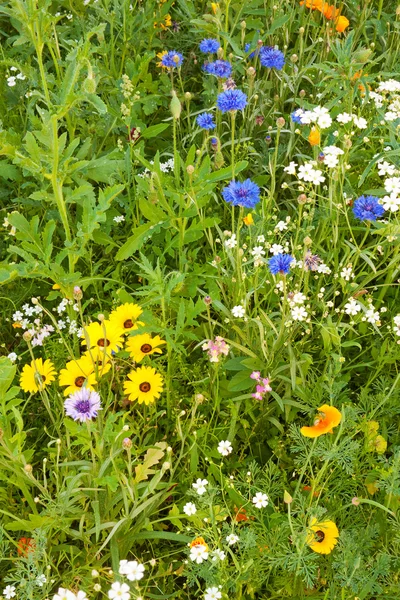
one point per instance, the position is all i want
(7, 374)
(136, 241)
(226, 173)
(154, 130)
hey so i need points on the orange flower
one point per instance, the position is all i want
(315, 137)
(214, 7)
(313, 4)
(199, 541)
(25, 545)
(330, 12)
(342, 23)
(248, 219)
(329, 417)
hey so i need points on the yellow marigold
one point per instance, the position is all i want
(342, 23)
(36, 376)
(329, 417)
(315, 137)
(323, 536)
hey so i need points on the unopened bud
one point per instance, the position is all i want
(28, 468)
(188, 96)
(301, 30)
(251, 71)
(125, 428)
(280, 121)
(190, 169)
(27, 336)
(307, 241)
(294, 58)
(243, 24)
(166, 466)
(260, 43)
(287, 498)
(78, 295)
(127, 443)
(219, 160)
(34, 301)
(302, 199)
(220, 53)
(207, 300)
(175, 106)
(199, 398)
(89, 85)
(348, 143)
(95, 573)
(97, 587)
(302, 93)
(101, 317)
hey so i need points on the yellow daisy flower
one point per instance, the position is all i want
(323, 536)
(103, 335)
(145, 385)
(100, 361)
(77, 374)
(143, 345)
(126, 317)
(36, 376)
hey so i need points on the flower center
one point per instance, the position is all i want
(319, 536)
(145, 387)
(128, 323)
(83, 406)
(103, 342)
(79, 381)
(146, 348)
(43, 378)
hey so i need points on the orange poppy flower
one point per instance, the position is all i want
(330, 12)
(248, 219)
(199, 541)
(342, 23)
(313, 4)
(25, 545)
(329, 417)
(315, 137)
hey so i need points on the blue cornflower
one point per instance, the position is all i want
(206, 121)
(272, 58)
(231, 100)
(172, 59)
(280, 263)
(247, 48)
(246, 193)
(296, 115)
(209, 46)
(219, 68)
(367, 208)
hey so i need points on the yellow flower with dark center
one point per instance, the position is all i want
(36, 376)
(145, 385)
(322, 537)
(76, 375)
(106, 336)
(126, 317)
(143, 345)
(99, 360)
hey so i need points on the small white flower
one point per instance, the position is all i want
(276, 249)
(331, 161)
(212, 593)
(198, 553)
(238, 311)
(385, 168)
(258, 252)
(260, 239)
(299, 313)
(81, 595)
(200, 486)
(225, 447)
(316, 177)
(231, 242)
(64, 594)
(218, 555)
(260, 500)
(347, 273)
(360, 122)
(281, 226)
(132, 570)
(12, 356)
(323, 268)
(11, 82)
(291, 168)
(352, 307)
(332, 150)
(392, 185)
(306, 172)
(119, 590)
(298, 298)
(344, 118)
(232, 539)
(189, 509)
(324, 121)
(372, 316)
(9, 592)
(41, 580)
(18, 316)
(391, 202)
(119, 219)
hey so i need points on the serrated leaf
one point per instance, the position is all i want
(152, 458)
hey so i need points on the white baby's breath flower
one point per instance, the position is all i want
(132, 570)
(225, 448)
(291, 168)
(190, 509)
(232, 539)
(198, 553)
(299, 313)
(238, 311)
(260, 500)
(212, 593)
(200, 486)
(352, 307)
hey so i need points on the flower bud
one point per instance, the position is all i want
(302, 199)
(243, 24)
(190, 169)
(89, 85)
(220, 53)
(302, 93)
(127, 443)
(101, 317)
(307, 241)
(280, 121)
(78, 295)
(199, 398)
(97, 587)
(294, 58)
(188, 96)
(287, 498)
(27, 336)
(251, 71)
(95, 573)
(207, 300)
(348, 143)
(175, 106)
(34, 301)
(219, 160)
(28, 468)
(301, 30)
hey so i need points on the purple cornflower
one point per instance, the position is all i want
(367, 208)
(311, 261)
(209, 46)
(216, 348)
(229, 84)
(219, 68)
(82, 405)
(172, 59)
(231, 100)
(206, 121)
(272, 58)
(246, 193)
(280, 263)
(296, 115)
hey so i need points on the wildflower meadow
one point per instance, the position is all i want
(200, 307)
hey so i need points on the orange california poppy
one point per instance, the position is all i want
(248, 219)
(329, 417)
(342, 23)
(330, 12)
(315, 137)
(25, 545)
(314, 4)
(199, 541)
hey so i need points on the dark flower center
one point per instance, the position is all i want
(43, 378)
(102, 342)
(83, 406)
(145, 387)
(146, 348)
(128, 323)
(319, 536)
(79, 381)
(242, 193)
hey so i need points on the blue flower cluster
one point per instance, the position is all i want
(231, 100)
(272, 58)
(367, 208)
(209, 46)
(172, 59)
(246, 193)
(206, 121)
(280, 263)
(219, 68)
